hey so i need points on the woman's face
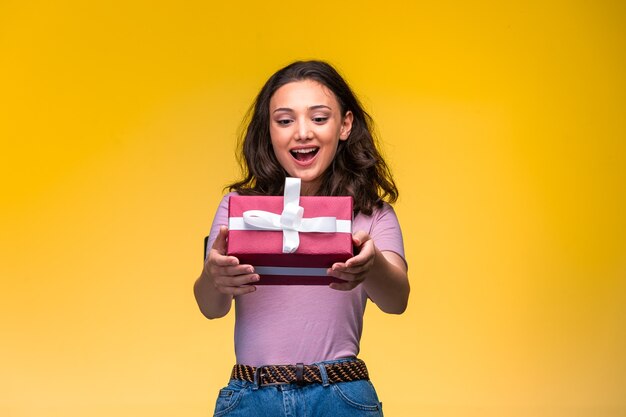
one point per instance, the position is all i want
(306, 127)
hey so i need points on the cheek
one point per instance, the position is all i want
(280, 151)
(278, 137)
(330, 133)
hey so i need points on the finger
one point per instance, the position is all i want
(354, 270)
(246, 289)
(366, 254)
(344, 275)
(361, 260)
(233, 271)
(236, 281)
(359, 237)
(344, 286)
(220, 241)
(222, 260)
(339, 267)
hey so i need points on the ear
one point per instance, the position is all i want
(346, 126)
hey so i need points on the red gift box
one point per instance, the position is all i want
(264, 249)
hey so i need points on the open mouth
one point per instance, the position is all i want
(304, 154)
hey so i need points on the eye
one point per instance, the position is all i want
(284, 122)
(320, 119)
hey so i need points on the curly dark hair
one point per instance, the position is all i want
(358, 169)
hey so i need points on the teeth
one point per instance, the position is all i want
(304, 150)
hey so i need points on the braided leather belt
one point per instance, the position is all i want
(302, 374)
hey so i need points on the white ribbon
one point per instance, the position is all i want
(290, 221)
(291, 271)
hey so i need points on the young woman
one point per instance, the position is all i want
(296, 346)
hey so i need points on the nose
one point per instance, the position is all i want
(303, 132)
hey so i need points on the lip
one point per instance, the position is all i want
(304, 163)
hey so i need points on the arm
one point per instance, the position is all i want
(222, 278)
(213, 304)
(383, 274)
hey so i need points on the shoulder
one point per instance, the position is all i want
(228, 195)
(386, 210)
(385, 217)
(224, 201)
(384, 213)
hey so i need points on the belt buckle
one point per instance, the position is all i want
(259, 374)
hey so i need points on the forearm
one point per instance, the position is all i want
(213, 304)
(387, 283)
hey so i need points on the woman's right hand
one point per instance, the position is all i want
(224, 271)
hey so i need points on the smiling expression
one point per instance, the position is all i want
(305, 128)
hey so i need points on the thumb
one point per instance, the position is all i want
(220, 241)
(360, 237)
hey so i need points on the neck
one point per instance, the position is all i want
(309, 188)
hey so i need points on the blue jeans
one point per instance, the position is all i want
(342, 399)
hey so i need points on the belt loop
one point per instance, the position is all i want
(323, 374)
(300, 373)
(257, 378)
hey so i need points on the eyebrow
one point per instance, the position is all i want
(318, 106)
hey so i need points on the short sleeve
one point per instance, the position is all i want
(220, 219)
(386, 232)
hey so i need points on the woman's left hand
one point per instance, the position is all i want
(354, 270)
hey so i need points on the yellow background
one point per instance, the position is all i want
(504, 123)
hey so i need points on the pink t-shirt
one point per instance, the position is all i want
(296, 323)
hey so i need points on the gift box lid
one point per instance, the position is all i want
(265, 247)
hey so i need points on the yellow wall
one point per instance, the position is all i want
(504, 124)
